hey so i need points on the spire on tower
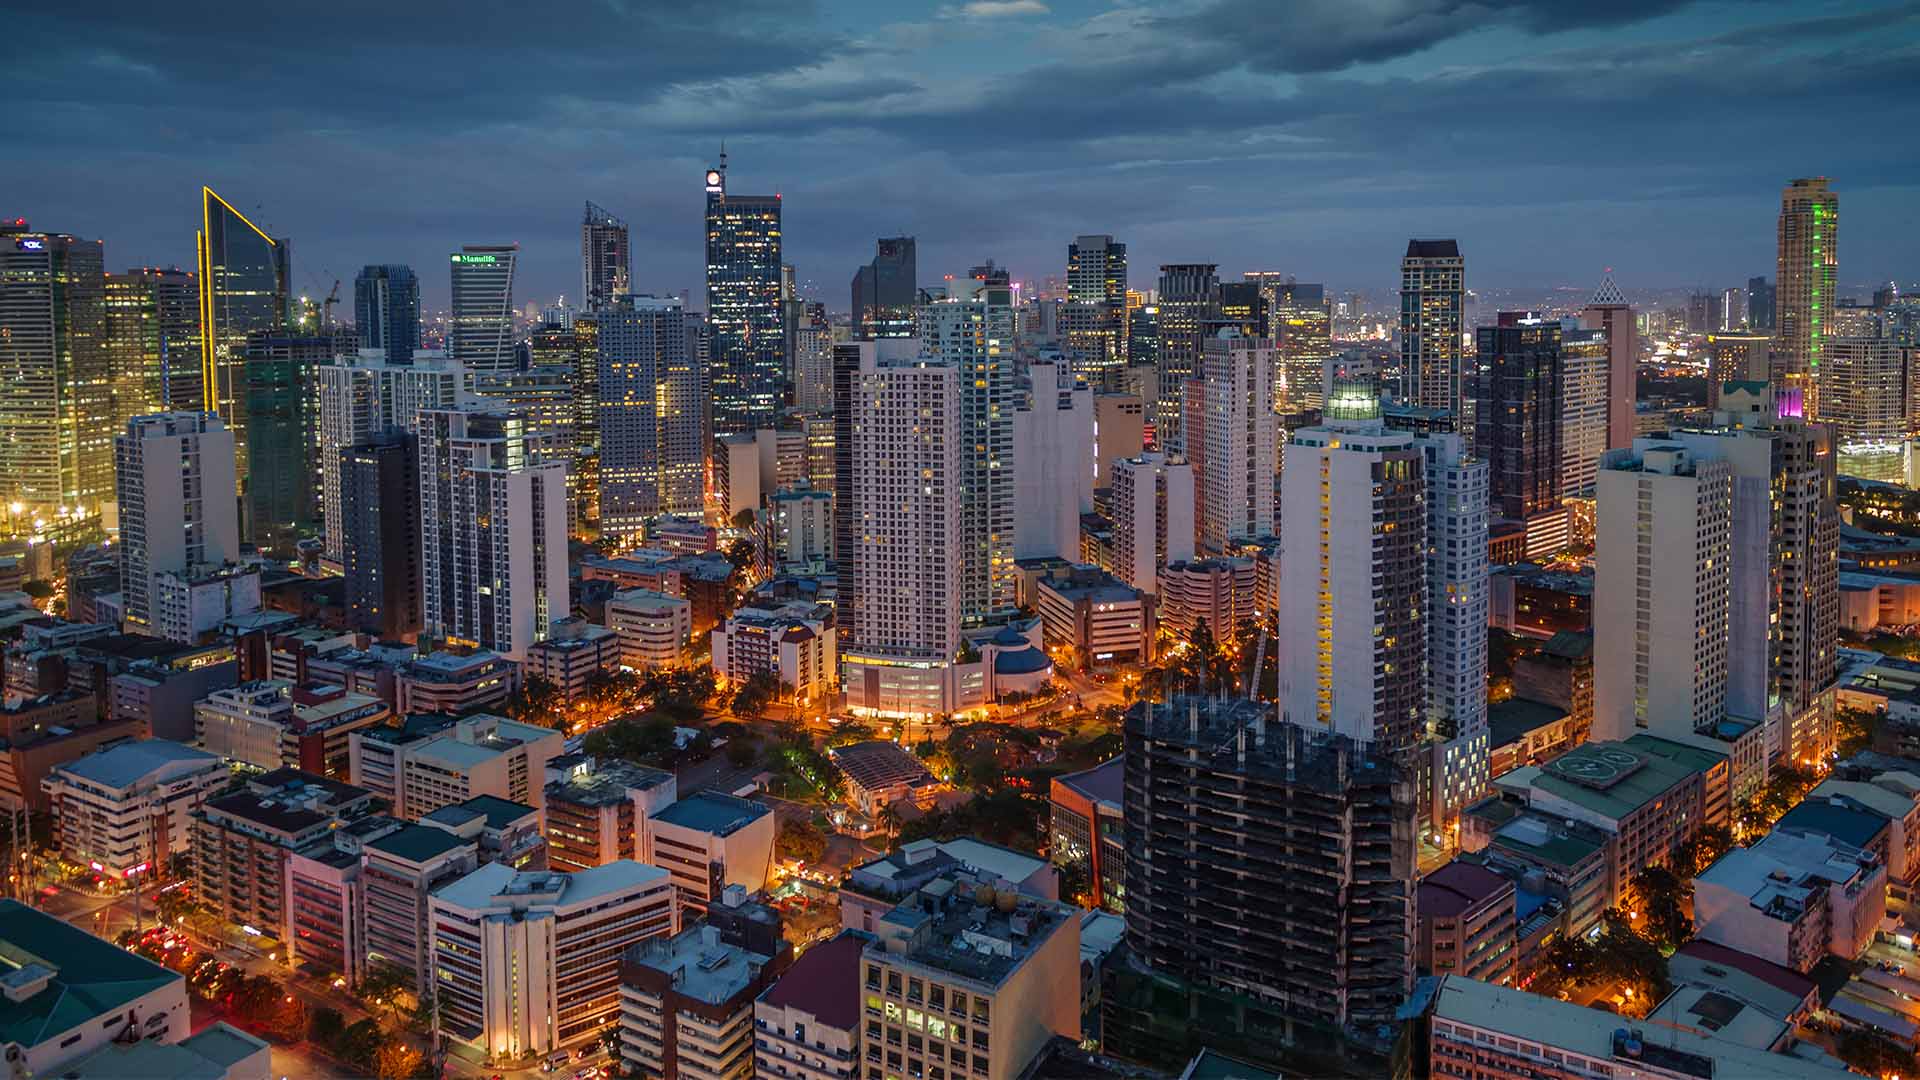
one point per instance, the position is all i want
(1608, 294)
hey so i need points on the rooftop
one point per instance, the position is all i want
(879, 763)
(1458, 886)
(209, 1055)
(500, 813)
(86, 977)
(417, 843)
(1511, 720)
(1609, 779)
(1711, 955)
(1851, 824)
(700, 965)
(711, 812)
(127, 764)
(1722, 1014)
(825, 981)
(477, 891)
(606, 783)
(963, 927)
(1101, 785)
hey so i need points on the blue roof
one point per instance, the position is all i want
(1526, 903)
(1849, 826)
(712, 812)
(1021, 661)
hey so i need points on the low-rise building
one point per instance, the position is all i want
(325, 931)
(573, 652)
(880, 772)
(1101, 620)
(241, 842)
(1088, 829)
(597, 812)
(653, 627)
(1651, 804)
(1574, 864)
(37, 745)
(686, 1004)
(1220, 592)
(191, 604)
(807, 1024)
(1791, 899)
(1894, 797)
(218, 1051)
(273, 724)
(400, 871)
(794, 643)
(877, 886)
(709, 841)
(1467, 924)
(1525, 732)
(505, 831)
(158, 698)
(129, 808)
(448, 683)
(431, 762)
(527, 964)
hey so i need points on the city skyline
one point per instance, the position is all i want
(1317, 158)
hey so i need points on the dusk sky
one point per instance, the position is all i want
(1309, 136)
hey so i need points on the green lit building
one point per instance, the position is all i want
(1803, 292)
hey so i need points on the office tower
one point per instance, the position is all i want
(846, 527)
(1432, 316)
(1609, 312)
(362, 399)
(56, 409)
(1661, 611)
(1584, 360)
(1518, 422)
(1242, 306)
(1455, 624)
(972, 333)
(1189, 295)
(1053, 444)
(152, 326)
(1241, 429)
(697, 1026)
(1153, 523)
(813, 361)
(1302, 328)
(1863, 394)
(746, 365)
(1760, 304)
(282, 410)
(246, 284)
(1353, 523)
(903, 501)
(652, 454)
(481, 337)
(1701, 315)
(1738, 356)
(1144, 347)
(493, 538)
(379, 536)
(173, 474)
(544, 394)
(886, 291)
(1803, 295)
(386, 311)
(605, 261)
(1732, 309)
(1306, 835)
(1094, 329)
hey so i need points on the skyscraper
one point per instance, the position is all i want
(1760, 300)
(1189, 299)
(886, 290)
(1053, 444)
(1584, 365)
(379, 536)
(1432, 315)
(746, 365)
(152, 320)
(481, 338)
(386, 311)
(1741, 356)
(1809, 259)
(652, 450)
(1608, 312)
(493, 538)
(1236, 499)
(1094, 329)
(1518, 418)
(364, 399)
(972, 332)
(605, 261)
(813, 361)
(1455, 626)
(1302, 327)
(245, 285)
(282, 407)
(56, 390)
(174, 476)
(1152, 518)
(1863, 394)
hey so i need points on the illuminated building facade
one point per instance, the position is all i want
(56, 414)
(1609, 313)
(972, 332)
(886, 290)
(1189, 295)
(605, 260)
(245, 285)
(386, 311)
(746, 362)
(152, 319)
(1094, 324)
(1803, 293)
(1433, 295)
(651, 420)
(482, 335)
(174, 477)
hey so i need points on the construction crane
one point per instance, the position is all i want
(326, 306)
(1259, 665)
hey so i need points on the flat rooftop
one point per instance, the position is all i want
(89, 978)
(417, 843)
(499, 813)
(606, 783)
(954, 925)
(701, 965)
(713, 813)
(477, 891)
(824, 981)
(1104, 784)
(127, 764)
(1609, 779)
(209, 1055)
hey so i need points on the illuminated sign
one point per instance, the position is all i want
(31, 243)
(483, 259)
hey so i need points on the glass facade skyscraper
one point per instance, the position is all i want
(886, 290)
(244, 288)
(56, 412)
(1803, 293)
(283, 416)
(386, 309)
(605, 259)
(482, 335)
(746, 367)
(1433, 295)
(153, 336)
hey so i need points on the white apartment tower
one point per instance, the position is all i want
(493, 544)
(1240, 439)
(972, 332)
(481, 338)
(1053, 442)
(1152, 517)
(1661, 599)
(903, 501)
(1456, 622)
(174, 477)
(364, 399)
(652, 418)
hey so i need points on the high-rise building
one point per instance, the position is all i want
(56, 412)
(364, 398)
(1053, 442)
(1153, 522)
(282, 410)
(886, 291)
(493, 543)
(1584, 363)
(173, 474)
(813, 361)
(1236, 500)
(605, 261)
(1189, 299)
(1455, 626)
(972, 333)
(1433, 295)
(902, 628)
(1760, 301)
(1301, 326)
(246, 284)
(1353, 521)
(1740, 356)
(1804, 295)
(1661, 600)
(746, 366)
(1094, 329)
(386, 311)
(152, 320)
(1521, 377)
(379, 536)
(652, 442)
(481, 337)
(1306, 834)
(1609, 312)
(1863, 394)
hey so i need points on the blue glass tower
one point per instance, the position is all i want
(386, 308)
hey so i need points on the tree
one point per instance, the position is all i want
(538, 702)
(324, 1026)
(742, 751)
(1875, 1055)
(359, 1043)
(1853, 730)
(396, 1059)
(610, 1042)
(750, 701)
(383, 984)
(740, 554)
(800, 840)
(38, 590)
(744, 520)
(1659, 899)
(286, 1018)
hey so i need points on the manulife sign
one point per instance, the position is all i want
(476, 258)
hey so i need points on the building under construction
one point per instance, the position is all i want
(1269, 882)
